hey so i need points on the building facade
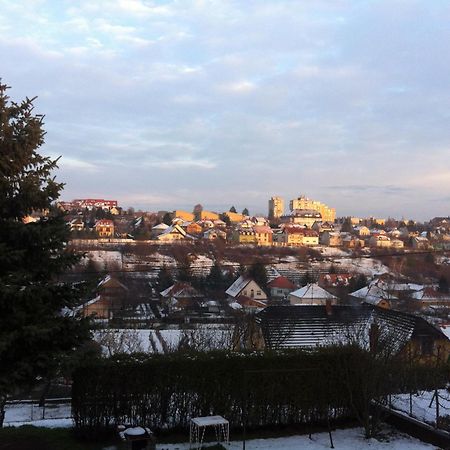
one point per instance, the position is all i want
(328, 214)
(276, 207)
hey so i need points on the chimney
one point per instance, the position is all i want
(328, 307)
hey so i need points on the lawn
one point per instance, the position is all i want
(33, 438)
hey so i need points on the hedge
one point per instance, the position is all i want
(265, 389)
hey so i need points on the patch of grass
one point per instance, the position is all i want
(32, 438)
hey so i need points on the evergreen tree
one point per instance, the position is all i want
(443, 285)
(215, 279)
(233, 209)
(165, 279)
(258, 273)
(34, 333)
(167, 219)
(245, 212)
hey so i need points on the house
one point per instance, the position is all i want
(181, 296)
(260, 221)
(352, 242)
(294, 235)
(194, 228)
(311, 294)
(111, 298)
(331, 239)
(321, 227)
(379, 292)
(420, 243)
(397, 244)
(280, 287)
(214, 233)
(429, 296)
(77, 224)
(361, 231)
(244, 236)
(335, 280)
(249, 304)
(263, 234)
(380, 241)
(172, 233)
(247, 287)
(309, 327)
(159, 229)
(104, 228)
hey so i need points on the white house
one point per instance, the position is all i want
(311, 294)
(247, 287)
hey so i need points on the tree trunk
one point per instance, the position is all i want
(2, 409)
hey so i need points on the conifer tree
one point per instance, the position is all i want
(35, 334)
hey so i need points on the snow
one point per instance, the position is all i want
(123, 340)
(237, 286)
(55, 415)
(367, 266)
(421, 409)
(312, 291)
(349, 439)
(331, 251)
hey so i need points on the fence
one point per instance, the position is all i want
(22, 411)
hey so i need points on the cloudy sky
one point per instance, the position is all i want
(165, 104)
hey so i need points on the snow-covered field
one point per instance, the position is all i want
(349, 439)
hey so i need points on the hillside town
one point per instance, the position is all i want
(170, 271)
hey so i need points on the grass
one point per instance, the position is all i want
(33, 438)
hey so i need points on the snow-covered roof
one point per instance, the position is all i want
(180, 290)
(161, 226)
(312, 290)
(373, 294)
(235, 289)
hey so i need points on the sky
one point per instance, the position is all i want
(166, 104)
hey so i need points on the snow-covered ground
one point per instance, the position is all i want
(367, 266)
(331, 251)
(209, 337)
(53, 416)
(421, 408)
(349, 439)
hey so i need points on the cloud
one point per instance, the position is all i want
(342, 101)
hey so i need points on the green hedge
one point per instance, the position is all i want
(164, 392)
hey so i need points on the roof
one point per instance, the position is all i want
(312, 325)
(281, 282)
(374, 293)
(235, 289)
(161, 226)
(299, 230)
(247, 302)
(429, 293)
(104, 223)
(180, 290)
(312, 290)
(335, 279)
(262, 229)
